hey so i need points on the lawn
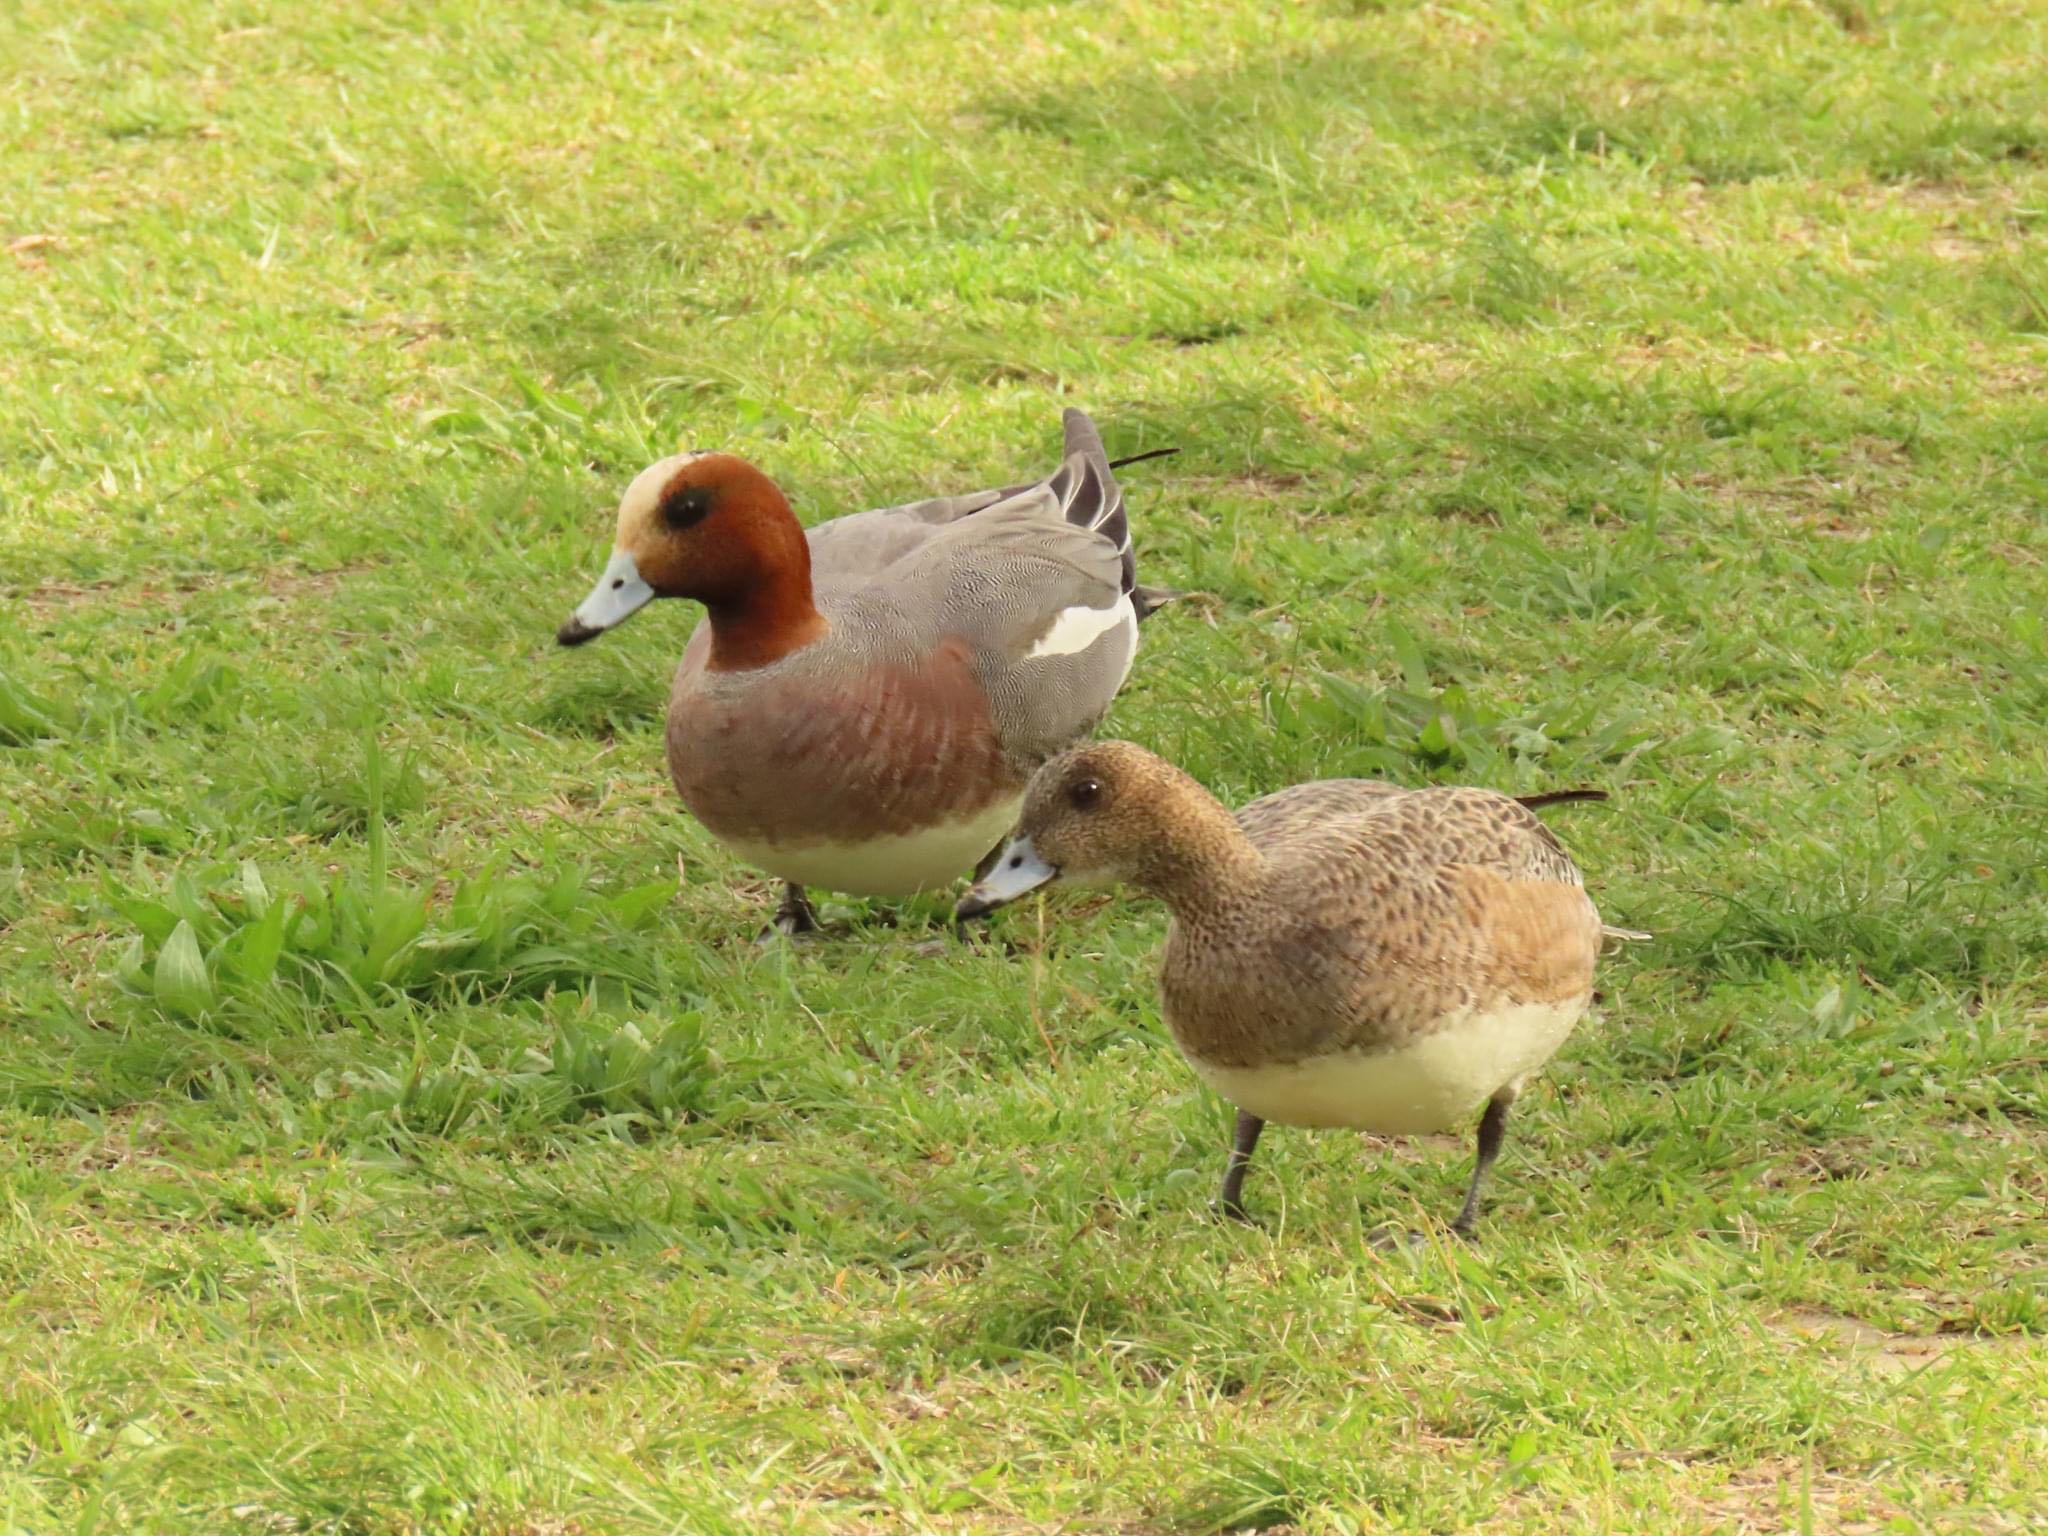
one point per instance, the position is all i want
(400, 1129)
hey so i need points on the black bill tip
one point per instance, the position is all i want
(574, 632)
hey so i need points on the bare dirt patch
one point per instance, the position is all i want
(1892, 1354)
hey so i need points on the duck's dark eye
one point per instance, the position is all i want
(1016, 861)
(1084, 792)
(618, 582)
(690, 504)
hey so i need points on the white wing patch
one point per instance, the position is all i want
(1075, 629)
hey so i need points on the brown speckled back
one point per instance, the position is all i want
(1377, 914)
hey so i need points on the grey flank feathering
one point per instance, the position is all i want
(1090, 498)
(1083, 487)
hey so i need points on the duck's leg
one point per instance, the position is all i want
(795, 916)
(1493, 1130)
(1241, 1144)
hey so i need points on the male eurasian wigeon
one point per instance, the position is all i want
(1342, 953)
(864, 702)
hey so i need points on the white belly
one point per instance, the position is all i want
(888, 866)
(1432, 1085)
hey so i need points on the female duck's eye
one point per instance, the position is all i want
(1084, 793)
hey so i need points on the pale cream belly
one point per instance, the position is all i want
(888, 866)
(1434, 1084)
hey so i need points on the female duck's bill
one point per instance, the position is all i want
(619, 594)
(1018, 872)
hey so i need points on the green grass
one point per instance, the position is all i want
(399, 1129)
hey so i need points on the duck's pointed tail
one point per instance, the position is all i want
(1560, 797)
(1139, 458)
(1149, 600)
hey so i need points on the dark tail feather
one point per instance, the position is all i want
(1139, 458)
(1560, 797)
(1088, 491)
(1149, 600)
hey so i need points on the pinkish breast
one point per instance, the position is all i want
(801, 753)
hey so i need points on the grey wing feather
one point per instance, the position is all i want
(999, 581)
(1000, 577)
(1088, 493)
(865, 544)
(1083, 490)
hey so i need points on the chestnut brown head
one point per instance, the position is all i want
(704, 525)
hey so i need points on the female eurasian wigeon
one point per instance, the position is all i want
(864, 703)
(1342, 953)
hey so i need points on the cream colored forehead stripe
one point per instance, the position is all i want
(645, 488)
